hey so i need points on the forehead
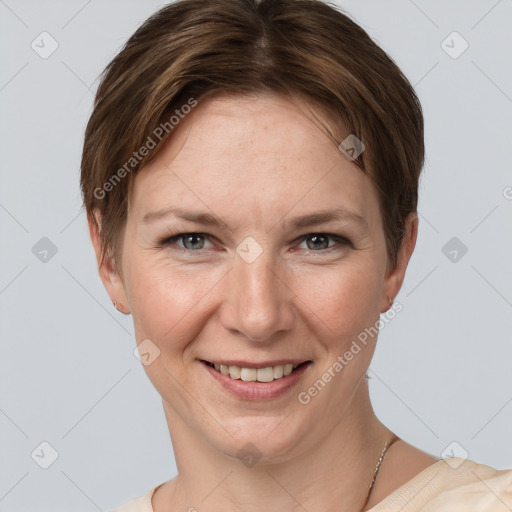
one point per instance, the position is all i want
(258, 154)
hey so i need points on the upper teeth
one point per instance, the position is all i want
(267, 374)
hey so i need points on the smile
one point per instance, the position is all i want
(265, 374)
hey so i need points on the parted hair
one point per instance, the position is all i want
(303, 49)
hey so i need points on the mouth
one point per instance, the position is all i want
(267, 373)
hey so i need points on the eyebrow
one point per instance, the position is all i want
(304, 221)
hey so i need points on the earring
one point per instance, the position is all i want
(390, 302)
(120, 310)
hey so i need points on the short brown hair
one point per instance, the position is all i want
(300, 48)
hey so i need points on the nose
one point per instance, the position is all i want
(258, 301)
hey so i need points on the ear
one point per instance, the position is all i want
(109, 275)
(395, 277)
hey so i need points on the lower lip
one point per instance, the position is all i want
(257, 390)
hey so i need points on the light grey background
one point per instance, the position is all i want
(68, 375)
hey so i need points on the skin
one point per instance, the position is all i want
(257, 163)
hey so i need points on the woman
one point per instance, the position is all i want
(250, 174)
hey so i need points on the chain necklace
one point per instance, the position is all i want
(387, 445)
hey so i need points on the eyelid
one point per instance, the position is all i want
(170, 239)
(341, 240)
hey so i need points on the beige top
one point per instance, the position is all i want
(448, 485)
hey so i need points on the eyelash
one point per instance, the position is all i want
(169, 241)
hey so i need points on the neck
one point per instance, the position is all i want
(332, 473)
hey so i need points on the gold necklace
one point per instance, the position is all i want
(384, 450)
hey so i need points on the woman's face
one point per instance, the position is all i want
(259, 287)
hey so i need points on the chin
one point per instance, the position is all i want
(261, 439)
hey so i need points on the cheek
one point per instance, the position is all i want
(171, 303)
(165, 299)
(342, 301)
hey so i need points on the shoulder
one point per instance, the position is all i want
(453, 484)
(138, 504)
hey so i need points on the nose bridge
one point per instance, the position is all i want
(258, 305)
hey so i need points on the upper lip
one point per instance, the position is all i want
(252, 364)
